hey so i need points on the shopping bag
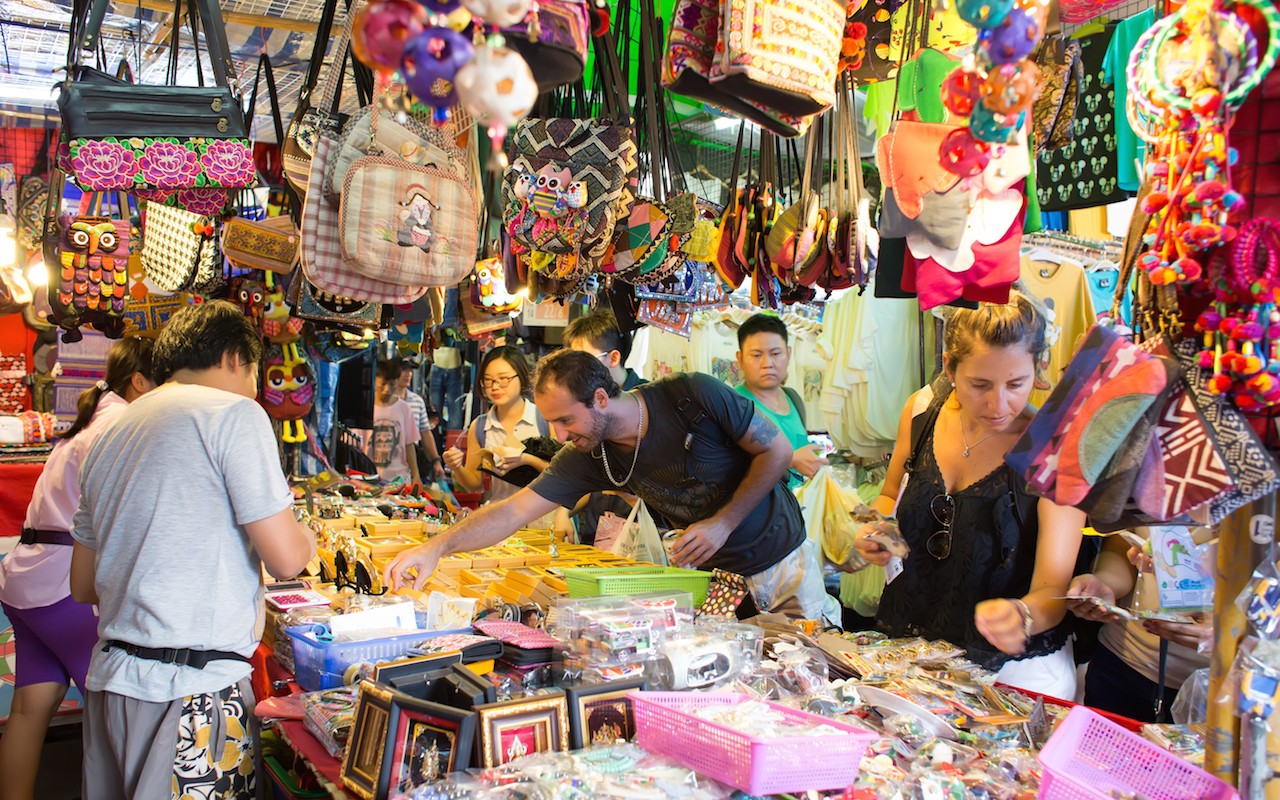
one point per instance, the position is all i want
(639, 539)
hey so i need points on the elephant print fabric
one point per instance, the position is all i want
(1084, 173)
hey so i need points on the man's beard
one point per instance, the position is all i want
(599, 431)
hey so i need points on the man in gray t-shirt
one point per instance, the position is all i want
(182, 503)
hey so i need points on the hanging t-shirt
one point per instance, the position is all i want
(1102, 285)
(387, 445)
(1083, 173)
(1065, 290)
(1129, 148)
(788, 423)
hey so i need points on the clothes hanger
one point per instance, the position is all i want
(1095, 25)
(1044, 255)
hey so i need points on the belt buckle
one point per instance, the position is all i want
(168, 655)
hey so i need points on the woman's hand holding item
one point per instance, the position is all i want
(1004, 623)
(1183, 633)
(1087, 597)
(1142, 560)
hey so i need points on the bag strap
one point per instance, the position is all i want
(264, 69)
(798, 402)
(318, 48)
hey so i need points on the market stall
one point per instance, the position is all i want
(1002, 273)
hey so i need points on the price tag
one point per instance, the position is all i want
(893, 569)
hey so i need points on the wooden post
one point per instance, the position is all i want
(1238, 553)
(1222, 743)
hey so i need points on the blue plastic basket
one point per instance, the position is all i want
(322, 665)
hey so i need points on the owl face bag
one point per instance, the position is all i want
(93, 277)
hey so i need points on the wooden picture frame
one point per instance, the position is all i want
(425, 741)
(408, 667)
(516, 728)
(602, 711)
(362, 762)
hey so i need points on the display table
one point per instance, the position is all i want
(325, 767)
(17, 482)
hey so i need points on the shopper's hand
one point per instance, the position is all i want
(422, 558)
(437, 469)
(872, 551)
(454, 458)
(1142, 560)
(1183, 633)
(700, 542)
(1084, 595)
(1000, 622)
(807, 461)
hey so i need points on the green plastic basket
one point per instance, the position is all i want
(637, 580)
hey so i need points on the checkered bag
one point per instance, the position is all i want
(407, 224)
(321, 252)
(180, 249)
(13, 389)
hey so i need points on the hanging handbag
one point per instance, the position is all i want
(33, 196)
(1061, 75)
(1085, 445)
(554, 43)
(314, 115)
(405, 224)
(188, 142)
(318, 306)
(146, 316)
(179, 249)
(784, 54)
(89, 280)
(321, 253)
(288, 389)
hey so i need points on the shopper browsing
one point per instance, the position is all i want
(764, 353)
(54, 635)
(512, 418)
(422, 420)
(395, 431)
(1125, 670)
(182, 503)
(694, 450)
(597, 333)
(987, 559)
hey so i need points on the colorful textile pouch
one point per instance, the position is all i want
(288, 389)
(410, 141)
(864, 49)
(941, 219)
(406, 224)
(179, 249)
(556, 46)
(145, 316)
(92, 278)
(1086, 445)
(1062, 72)
(724, 595)
(570, 183)
(270, 244)
(316, 305)
(908, 161)
(784, 54)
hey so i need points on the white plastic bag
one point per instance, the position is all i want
(639, 538)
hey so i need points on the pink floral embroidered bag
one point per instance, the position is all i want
(181, 145)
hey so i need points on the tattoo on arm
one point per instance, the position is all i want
(762, 431)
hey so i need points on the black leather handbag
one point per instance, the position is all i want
(165, 140)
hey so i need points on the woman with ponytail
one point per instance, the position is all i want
(54, 635)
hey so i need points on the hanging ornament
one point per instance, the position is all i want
(431, 63)
(498, 89)
(962, 154)
(1012, 40)
(381, 30)
(498, 13)
(1010, 89)
(442, 6)
(961, 91)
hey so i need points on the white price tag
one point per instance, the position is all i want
(893, 569)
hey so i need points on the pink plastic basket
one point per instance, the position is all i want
(1091, 758)
(756, 766)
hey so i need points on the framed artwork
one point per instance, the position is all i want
(362, 762)
(425, 742)
(409, 667)
(519, 727)
(602, 713)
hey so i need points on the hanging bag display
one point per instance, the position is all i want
(784, 54)
(191, 143)
(180, 249)
(553, 42)
(88, 274)
(1062, 73)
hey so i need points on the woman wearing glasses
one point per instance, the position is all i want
(988, 560)
(506, 381)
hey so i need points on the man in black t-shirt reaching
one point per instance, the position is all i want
(694, 450)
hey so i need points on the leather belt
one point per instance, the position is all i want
(184, 657)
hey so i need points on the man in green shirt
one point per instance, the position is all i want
(764, 353)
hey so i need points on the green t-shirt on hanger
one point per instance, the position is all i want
(1129, 148)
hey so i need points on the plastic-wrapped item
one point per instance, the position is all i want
(1191, 706)
(698, 659)
(329, 715)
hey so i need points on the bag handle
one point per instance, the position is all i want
(264, 68)
(318, 48)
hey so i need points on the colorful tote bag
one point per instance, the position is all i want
(406, 224)
(179, 249)
(569, 184)
(784, 54)
(555, 47)
(321, 256)
(92, 280)
(1090, 428)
